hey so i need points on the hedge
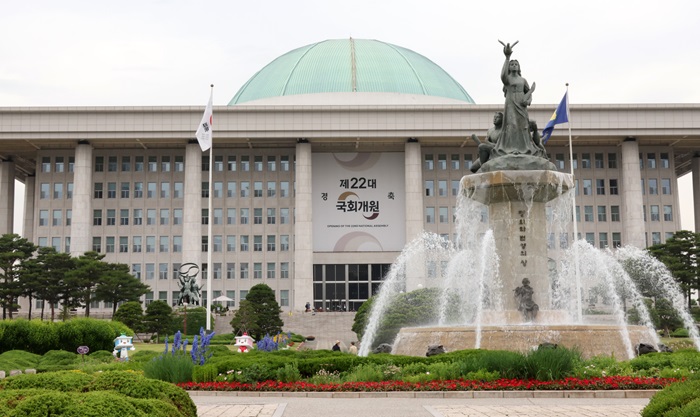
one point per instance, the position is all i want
(677, 400)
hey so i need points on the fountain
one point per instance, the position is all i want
(515, 287)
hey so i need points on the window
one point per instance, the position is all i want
(150, 217)
(164, 217)
(124, 190)
(43, 217)
(217, 243)
(258, 163)
(136, 244)
(123, 244)
(138, 217)
(271, 189)
(230, 243)
(559, 161)
(442, 188)
(111, 190)
(205, 245)
(218, 189)
(442, 162)
(45, 164)
(257, 270)
(612, 161)
(124, 217)
(602, 214)
(57, 191)
(430, 215)
(177, 217)
(603, 240)
(284, 243)
(69, 218)
(245, 213)
(284, 216)
(271, 243)
(150, 244)
(112, 164)
(574, 161)
(205, 189)
(152, 163)
(71, 163)
(150, 271)
(257, 189)
(245, 189)
(651, 160)
(454, 162)
(69, 190)
(599, 160)
(642, 184)
(44, 190)
(217, 274)
(151, 190)
(429, 188)
(245, 163)
(109, 244)
(663, 160)
(587, 187)
(138, 163)
(428, 164)
(99, 164)
(284, 163)
(588, 213)
(614, 213)
(231, 189)
(271, 270)
(616, 240)
(96, 244)
(271, 163)
(218, 216)
(178, 189)
(284, 189)
(230, 271)
(666, 186)
(454, 185)
(97, 190)
(668, 213)
(244, 243)
(244, 274)
(56, 218)
(590, 238)
(164, 190)
(654, 213)
(111, 217)
(126, 163)
(257, 243)
(257, 216)
(179, 163)
(271, 216)
(205, 216)
(138, 190)
(219, 163)
(653, 187)
(585, 160)
(162, 271)
(600, 187)
(655, 238)
(177, 244)
(443, 215)
(284, 269)
(230, 216)
(96, 218)
(613, 186)
(231, 163)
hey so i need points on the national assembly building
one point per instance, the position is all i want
(325, 164)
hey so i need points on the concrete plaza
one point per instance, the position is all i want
(424, 404)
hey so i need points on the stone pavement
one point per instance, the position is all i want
(423, 404)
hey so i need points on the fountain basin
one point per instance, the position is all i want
(591, 340)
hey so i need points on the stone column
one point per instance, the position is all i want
(192, 211)
(696, 190)
(29, 190)
(416, 270)
(81, 224)
(632, 218)
(7, 191)
(303, 230)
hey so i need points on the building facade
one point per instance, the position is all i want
(295, 163)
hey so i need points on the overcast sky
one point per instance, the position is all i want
(140, 53)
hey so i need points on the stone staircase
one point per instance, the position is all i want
(325, 327)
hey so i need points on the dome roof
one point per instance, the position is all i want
(350, 65)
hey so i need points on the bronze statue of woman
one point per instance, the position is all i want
(515, 138)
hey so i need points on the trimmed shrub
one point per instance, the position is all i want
(18, 359)
(56, 360)
(60, 381)
(673, 397)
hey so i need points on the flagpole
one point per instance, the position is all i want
(579, 310)
(210, 247)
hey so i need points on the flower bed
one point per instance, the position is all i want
(605, 383)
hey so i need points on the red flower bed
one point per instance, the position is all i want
(605, 383)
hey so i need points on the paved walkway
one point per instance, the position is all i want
(423, 404)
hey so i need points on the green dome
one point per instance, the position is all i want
(350, 65)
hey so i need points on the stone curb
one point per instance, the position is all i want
(434, 394)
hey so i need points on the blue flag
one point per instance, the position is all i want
(560, 115)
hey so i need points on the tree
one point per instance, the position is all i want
(118, 285)
(159, 318)
(680, 255)
(88, 272)
(261, 315)
(49, 269)
(130, 314)
(14, 249)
